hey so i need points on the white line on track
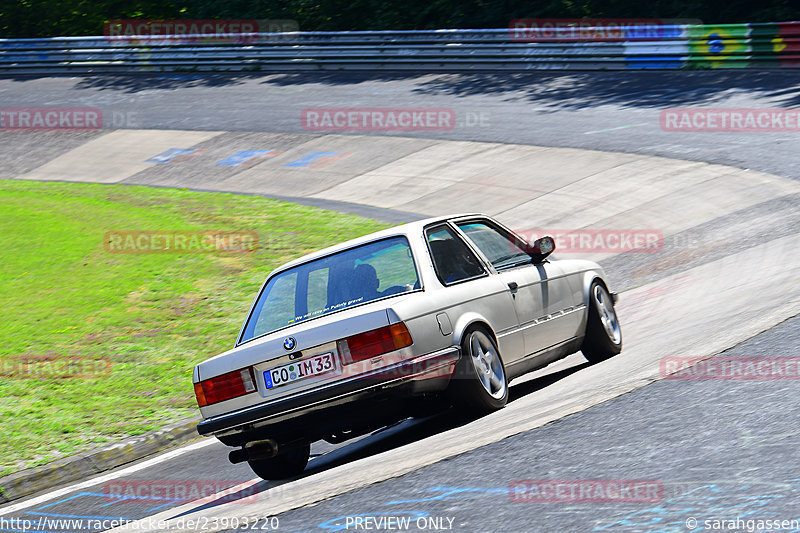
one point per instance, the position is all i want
(617, 128)
(106, 477)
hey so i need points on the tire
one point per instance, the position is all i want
(479, 384)
(603, 338)
(286, 464)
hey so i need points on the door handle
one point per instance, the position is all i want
(513, 285)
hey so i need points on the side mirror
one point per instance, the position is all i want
(541, 248)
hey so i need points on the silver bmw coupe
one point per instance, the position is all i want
(357, 336)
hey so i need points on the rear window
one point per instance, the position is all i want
(339, 281)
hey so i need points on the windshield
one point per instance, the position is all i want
(332, 283)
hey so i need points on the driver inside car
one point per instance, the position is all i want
(365, 282)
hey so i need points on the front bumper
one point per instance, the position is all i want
(385, 381)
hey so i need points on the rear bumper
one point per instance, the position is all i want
(427, 372)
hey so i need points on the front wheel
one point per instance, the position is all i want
(480, 383)
(288, 463)
(603, 337)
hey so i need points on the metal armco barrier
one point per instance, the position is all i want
(766, 45)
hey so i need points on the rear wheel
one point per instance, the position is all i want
(480, 383)
(288, 463)
(603, 335)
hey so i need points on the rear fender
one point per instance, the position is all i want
(469, 321)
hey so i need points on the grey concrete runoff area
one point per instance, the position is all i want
(723, 284)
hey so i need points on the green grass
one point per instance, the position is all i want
(151, 317)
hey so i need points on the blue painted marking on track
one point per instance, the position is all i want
(309, 158)
(83, 516)
(121, 498)
(54, 517)
(450, 493)
(168, 155)
(241, 157)
(118, 498)
(671, 514)
(73, 497)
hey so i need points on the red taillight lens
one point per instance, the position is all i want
(225, 387)
(376, 342)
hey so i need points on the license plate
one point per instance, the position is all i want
(313, 366)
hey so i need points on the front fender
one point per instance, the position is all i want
(586, 282)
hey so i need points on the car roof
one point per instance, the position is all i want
(410, 228)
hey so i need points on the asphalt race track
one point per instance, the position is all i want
(725, 285)
(610, 111)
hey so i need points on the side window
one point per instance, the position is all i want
(502, 249)
(452, 258)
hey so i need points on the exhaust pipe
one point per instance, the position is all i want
(237, 456)
(254, 451)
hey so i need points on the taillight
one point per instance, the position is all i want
(375, 342)
(225, 387)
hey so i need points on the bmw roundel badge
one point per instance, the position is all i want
(289, 343)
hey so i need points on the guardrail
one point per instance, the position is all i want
(767, 45)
